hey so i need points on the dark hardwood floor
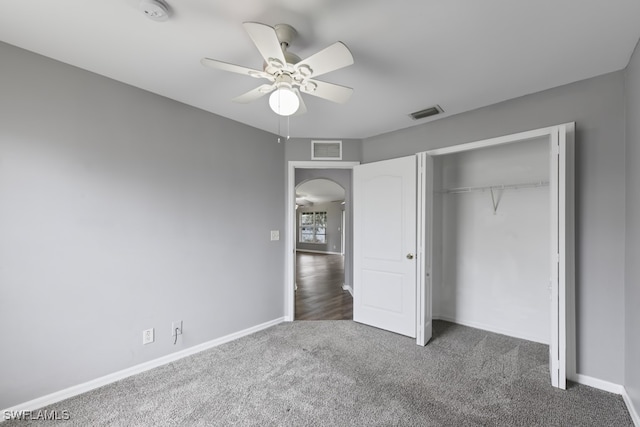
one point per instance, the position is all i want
(320, 295)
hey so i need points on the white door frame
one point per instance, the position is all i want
(290, 235)
(424, 279)
(562, 139)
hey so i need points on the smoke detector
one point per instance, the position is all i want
(155, 9)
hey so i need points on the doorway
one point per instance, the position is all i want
(320, 293)
(302, 171)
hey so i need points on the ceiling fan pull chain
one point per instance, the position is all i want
(279, 133)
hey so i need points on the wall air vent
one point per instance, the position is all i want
(326, 150)
(427, 112)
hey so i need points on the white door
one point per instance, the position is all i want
(384, 209)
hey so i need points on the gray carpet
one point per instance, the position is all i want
(340, 373)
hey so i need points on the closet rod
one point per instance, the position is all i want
(497, 187)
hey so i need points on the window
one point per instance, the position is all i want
(313, 227)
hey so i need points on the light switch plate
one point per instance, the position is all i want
(275, 235)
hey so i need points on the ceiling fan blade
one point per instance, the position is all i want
(302, 108)
(225, 66)
(328, 91)
(254, 94)
(266, 40)
(328, 59)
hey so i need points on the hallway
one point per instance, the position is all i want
(320, 295)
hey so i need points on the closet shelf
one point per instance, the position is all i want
(496, 187)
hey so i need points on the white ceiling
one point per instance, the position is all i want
(409, 54)
(319, 191)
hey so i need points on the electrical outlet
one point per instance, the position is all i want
(176, 328)
(147, 336)
(275, 234)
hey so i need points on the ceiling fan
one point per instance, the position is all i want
(287, 74)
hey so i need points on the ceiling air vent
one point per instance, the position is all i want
(326, 150)
(427, 112)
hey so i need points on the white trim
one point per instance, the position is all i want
(501, 331)
(290, 234)
(569, 253)
(348, 289)
(318, 252)
(632, 410)
(307, 164)
(506, 139)
(424, 300)
(556, 257)
(134, 370)
(598, 383)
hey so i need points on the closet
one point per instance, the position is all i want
(493, 240)
(496, 238)
(480, 234)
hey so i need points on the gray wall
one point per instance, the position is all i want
(632, 278)
(343, 178)
(597, 107)
(120, 211)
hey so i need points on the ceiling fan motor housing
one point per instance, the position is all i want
(286, 33)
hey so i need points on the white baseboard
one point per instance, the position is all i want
(490, 328)
(318, 252)
(632, 410)
(597, 383)
(137, 369)
(348, 289)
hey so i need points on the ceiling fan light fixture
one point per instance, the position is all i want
(289, 76)
(284, 101)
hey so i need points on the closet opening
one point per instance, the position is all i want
(493, 244)
(496, 230)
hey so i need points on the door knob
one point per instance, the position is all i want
(409, 256)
